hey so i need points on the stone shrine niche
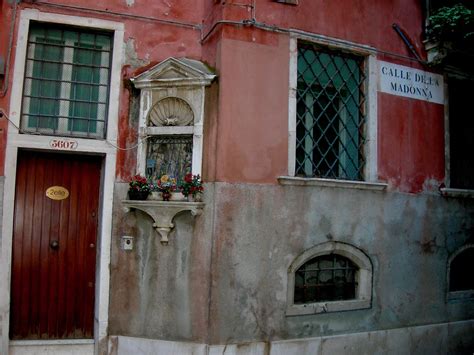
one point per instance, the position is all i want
(172, 117)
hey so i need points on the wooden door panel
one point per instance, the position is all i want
(52, 290)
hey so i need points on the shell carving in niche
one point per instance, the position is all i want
(171, 111)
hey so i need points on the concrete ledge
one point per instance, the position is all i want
(51, 348)
(459, 193)
(347, 184)
(441, 338)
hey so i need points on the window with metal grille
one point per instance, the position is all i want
(330, 114)
(66, 84)
(459, 278)
(325, 278)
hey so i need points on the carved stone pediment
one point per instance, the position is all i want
(175, 72)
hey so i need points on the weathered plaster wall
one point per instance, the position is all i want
(410, 143)
(360, 21)
(260, 230)
(252, 132)
(161, 291)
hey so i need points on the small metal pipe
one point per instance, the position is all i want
(407, 42)
(118, 14)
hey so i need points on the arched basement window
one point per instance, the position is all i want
(460, 279)
(329, 277)
(326, 278)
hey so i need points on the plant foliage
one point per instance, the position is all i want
(452, 24)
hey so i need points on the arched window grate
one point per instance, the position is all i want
(325, 278)
(459, 278)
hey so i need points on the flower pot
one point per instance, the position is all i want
(166, 196)
(194, 198)
(155, 195)
(138, 195)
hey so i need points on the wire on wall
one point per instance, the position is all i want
(140, 141)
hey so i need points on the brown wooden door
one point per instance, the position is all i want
(54, 247)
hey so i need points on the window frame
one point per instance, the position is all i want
(450, 190)
(177, 131)
(370, 65)
(63, 124)
(105, 148)
(180, 78)
(467, 295)
(363, 299)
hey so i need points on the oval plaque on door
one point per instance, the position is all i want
(57, 193)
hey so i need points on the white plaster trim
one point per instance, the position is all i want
(151, 85)
(371, 152)
(447, 136)
(293, 83)
(188, 74)
(51, 342)
(346, 184)
(167, 130)
(16, 140)
(332, 42)
(364, 280)
(461, 193)
(467, 295)
(325, 307)
(370, 148)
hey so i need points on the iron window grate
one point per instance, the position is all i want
(67, 81)
(330, 119)
(325, 278)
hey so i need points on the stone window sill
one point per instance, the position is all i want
(325, 307)
(467, 295)
(361, 185)
(459, 193)
(163, 212)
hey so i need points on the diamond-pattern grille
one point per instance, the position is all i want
(330, 114)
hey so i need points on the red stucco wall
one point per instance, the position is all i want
(249, 135)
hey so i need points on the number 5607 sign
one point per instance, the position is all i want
(67, 144)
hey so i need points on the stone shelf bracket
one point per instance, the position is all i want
(163, 212)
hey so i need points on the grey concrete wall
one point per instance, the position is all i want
(162, 292)
(427, 339)
(2, 182)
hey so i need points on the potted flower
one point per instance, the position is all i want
(139, 188)
(166, 185)
(191, 187)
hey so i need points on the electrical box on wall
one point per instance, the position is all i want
(126, 242)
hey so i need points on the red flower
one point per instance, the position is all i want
(188, 178)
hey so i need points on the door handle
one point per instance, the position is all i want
(54, 245)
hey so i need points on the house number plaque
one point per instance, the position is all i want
(57, 193)
(68, 144)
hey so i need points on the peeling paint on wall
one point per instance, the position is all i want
(131, 56)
